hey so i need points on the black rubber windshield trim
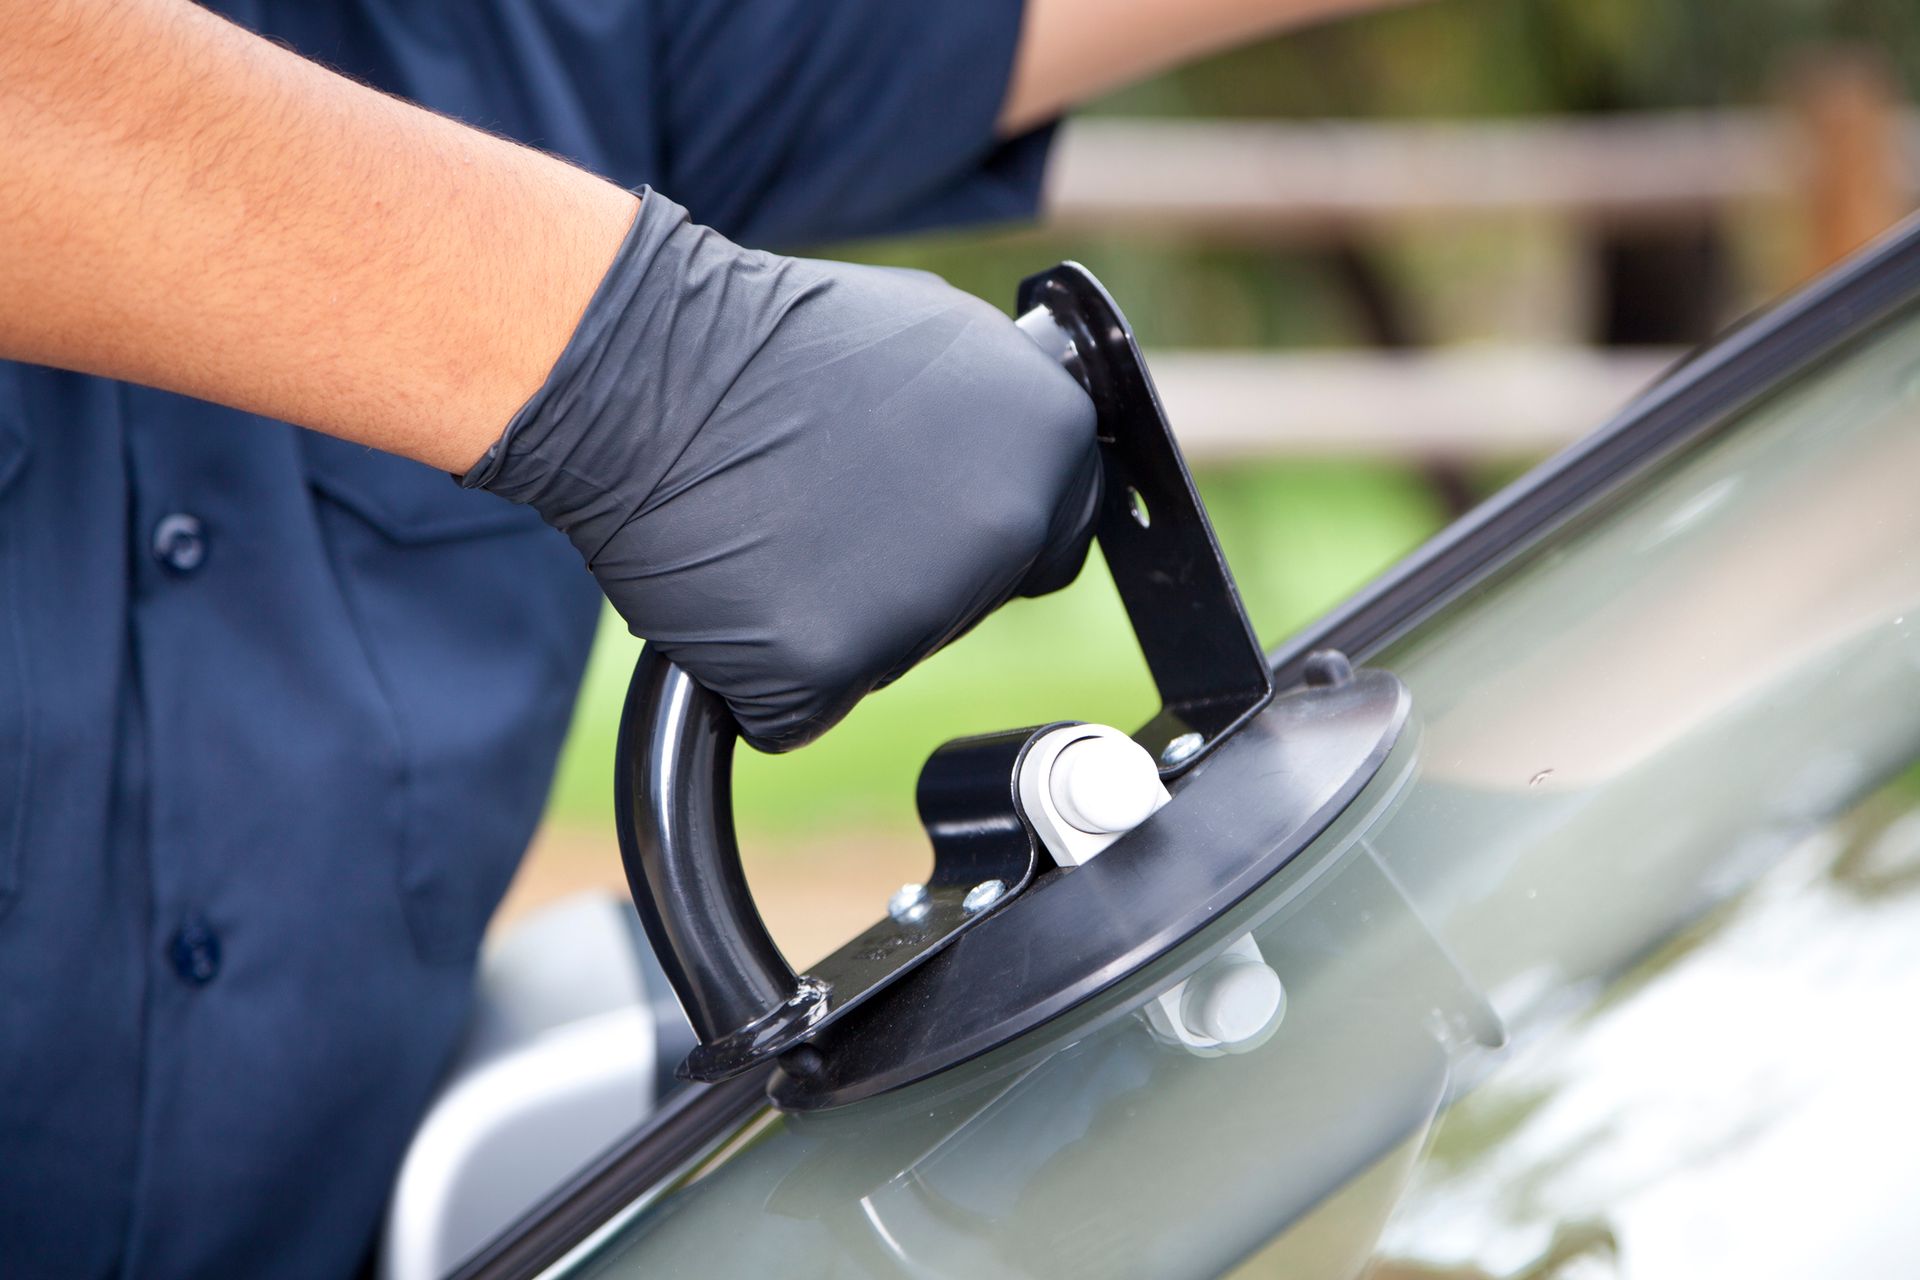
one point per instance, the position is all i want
(693, 1122)
(1691, 403)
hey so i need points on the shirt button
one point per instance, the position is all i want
(195, 952)
(180, 542)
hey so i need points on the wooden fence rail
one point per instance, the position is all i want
(1272, 181)
(1841, 158)
(1452, 403)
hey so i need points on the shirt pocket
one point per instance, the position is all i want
(475, 619)
(16, 717)
(407, 502)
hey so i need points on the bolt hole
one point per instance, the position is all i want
(1138, 506)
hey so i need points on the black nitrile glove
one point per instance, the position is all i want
(795, 478)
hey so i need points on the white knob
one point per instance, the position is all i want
(1232, 1000)
(1103, 785)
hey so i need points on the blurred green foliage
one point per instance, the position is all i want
(1300, 535)
(1518, 57)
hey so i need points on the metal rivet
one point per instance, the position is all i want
(983, 895)
(1182, 749)
(908, 905)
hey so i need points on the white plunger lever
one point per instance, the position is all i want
(1086, 785)
(1105, 786)
(1083, 787)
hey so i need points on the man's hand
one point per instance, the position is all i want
(796, 478)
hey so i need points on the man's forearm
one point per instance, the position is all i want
(1072, 50)
(188, 206)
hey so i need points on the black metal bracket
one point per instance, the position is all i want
(674, 759)
(1200, 647)
(983, 854)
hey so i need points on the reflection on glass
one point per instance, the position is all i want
(1613, 832)
(1740, 1103)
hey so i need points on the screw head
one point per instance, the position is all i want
(908, 905)
(1182, 749)
(983, 895)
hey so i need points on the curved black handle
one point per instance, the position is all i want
(674, 796)
(674, 813)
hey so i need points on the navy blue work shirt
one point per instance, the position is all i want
(278, 713)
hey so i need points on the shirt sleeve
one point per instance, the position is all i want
(789, 122)
(780, 123)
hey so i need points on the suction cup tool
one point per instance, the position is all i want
(1019, 919)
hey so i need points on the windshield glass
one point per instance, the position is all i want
(1637, 736)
